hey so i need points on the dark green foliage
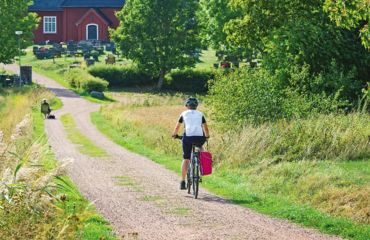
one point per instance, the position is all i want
(80, 79)
(189, 80)
(122, 76)
(351, 14)
(291, 34)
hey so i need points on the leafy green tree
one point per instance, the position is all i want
(14, 16)
(213, 15)
(159, 35)
(351, 14)
(291, 33)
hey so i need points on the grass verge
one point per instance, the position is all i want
(34, 204)
(86, 146)
(235, 185)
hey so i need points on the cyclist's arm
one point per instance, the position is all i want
(206, 131)
(176, 129)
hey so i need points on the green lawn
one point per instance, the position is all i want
(207, 59)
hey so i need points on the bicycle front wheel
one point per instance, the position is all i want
(196, 181)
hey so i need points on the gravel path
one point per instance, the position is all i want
(141, 199)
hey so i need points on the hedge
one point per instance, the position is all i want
(120, 76)
(80, 79)
(189, 80)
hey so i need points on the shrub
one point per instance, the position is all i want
(245, 95)
(82, 80)
(257, 96)
(95, 84)
(120, 76)
(189, 80)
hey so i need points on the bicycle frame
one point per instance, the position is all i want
(194, 171)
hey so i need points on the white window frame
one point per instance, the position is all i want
(50, 18)
(87, 30)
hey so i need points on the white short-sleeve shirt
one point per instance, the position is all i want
(193, 120)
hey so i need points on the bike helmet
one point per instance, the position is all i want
(191, 102)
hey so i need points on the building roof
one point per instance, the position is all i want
(46, 5)
(58, 5)
(94, 3)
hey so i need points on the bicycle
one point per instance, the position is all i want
(193, 174)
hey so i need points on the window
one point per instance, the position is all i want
(50, 24)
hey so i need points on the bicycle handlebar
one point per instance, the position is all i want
(178, 137)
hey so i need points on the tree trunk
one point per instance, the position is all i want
(162, 73)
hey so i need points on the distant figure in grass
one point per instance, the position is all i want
(45, 108)
(195, 132)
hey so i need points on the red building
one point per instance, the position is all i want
(66, 20)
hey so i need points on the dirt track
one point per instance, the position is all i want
(141, 198)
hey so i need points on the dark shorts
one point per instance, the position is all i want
(187, 144)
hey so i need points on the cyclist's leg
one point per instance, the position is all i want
(186, 148)
(184, 168)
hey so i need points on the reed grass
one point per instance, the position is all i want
(36, 200)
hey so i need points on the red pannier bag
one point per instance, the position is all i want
(205, 163)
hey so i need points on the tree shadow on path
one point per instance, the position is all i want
(60, 92)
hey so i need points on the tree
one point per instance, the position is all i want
(14, 16)
(292, 34)
(351, 14)
(213, 15)
(159, 35)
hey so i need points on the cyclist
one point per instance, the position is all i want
(45, 108)
(195, 132)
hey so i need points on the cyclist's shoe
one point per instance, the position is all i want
(183, 185)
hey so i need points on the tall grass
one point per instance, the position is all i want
(36, 200)
(323, 137)
(16, 101)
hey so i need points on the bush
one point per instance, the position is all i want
(256, 96)
(189, 80)
(245, 95)
(119, 76)
(82, 80)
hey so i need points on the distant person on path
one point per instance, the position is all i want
(45, 108)
(195, 132)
